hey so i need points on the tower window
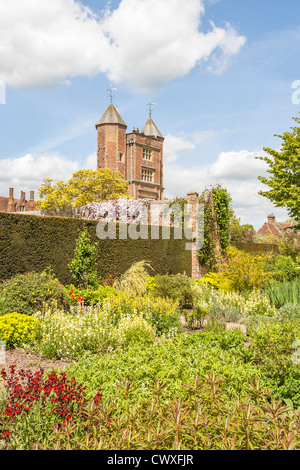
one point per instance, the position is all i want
(121, 157)
(147, 175)
(146, 154)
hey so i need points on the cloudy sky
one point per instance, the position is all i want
(224, 75)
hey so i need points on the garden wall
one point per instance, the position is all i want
(34, 243)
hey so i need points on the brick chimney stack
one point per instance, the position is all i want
(271, 219)
(10, 205)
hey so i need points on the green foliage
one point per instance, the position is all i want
(221, 204)
(289, 245)
(216, 224)
(175, 287)
(91, 296)
(237, 232)
(289, 311)
(174, 361)
(207, 254)
(195, 318)
(163, 314)
(134, 330)
(284, 170)
(30, 292)
(273, 349)
(258, 303)
(284, 267)
(82, 266)
(201, 418)
(33, 243)
(119, 320)
(285, 292)
(16, 329)
(61, 335)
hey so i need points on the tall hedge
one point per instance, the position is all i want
(251, 247)
(33, 243)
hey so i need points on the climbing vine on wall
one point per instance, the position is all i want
(221, 203)
(216, 223)
(206, 254)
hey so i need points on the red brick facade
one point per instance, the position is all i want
(137, 155)
(10, 204)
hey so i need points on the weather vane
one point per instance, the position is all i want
(151, 105)
(111, 91)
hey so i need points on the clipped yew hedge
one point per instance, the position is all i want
(34, 243)
(251, 247)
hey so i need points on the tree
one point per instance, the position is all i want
(84, 187)
(238, 232)
(284, 168)
(82, 266)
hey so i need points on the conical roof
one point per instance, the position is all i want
(150, 129)
(111, 116)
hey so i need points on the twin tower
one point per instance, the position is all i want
(138, 155)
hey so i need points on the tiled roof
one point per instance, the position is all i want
(273, 228)
(111, 116)
(150, 129)
(268, 229)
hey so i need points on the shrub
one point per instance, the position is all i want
(175, 287)
(83, 265)
(35, 405)
(247, 271)
(285, 267)
(162, 314)
(289, 311)
(62, 335)
(16, 329)
(259, 304)
(273, 349)
(222, 306)
(195, 317)
(133, 330)
(203, 419)
(218, 280)
(92, 296)
(29, 293)
(173, 361)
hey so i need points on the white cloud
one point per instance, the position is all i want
(27, 173)
(91, 162)
(237, 172)
(237, 166)
(173, 145)
(145, 43)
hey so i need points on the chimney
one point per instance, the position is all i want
(271, 219)
(31, 196)
(11, 193)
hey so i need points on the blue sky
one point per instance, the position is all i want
(220, 73)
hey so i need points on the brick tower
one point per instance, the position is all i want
(138, 155)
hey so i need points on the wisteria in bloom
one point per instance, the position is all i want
(121, 210)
